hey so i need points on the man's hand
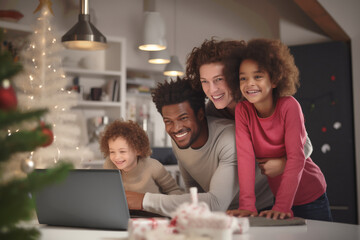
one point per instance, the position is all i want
(134, 200)
(275, 214)
(241, 213)
(271, 167)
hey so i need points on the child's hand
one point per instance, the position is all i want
(134, 200)
(275, 214)
(271, 167)
(241, 213)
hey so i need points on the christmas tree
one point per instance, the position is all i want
(15, 203)
(43, 84)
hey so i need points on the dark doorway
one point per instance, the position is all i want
(326, 98)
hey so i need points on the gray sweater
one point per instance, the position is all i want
(213, 170)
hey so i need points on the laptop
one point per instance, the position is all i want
(88, 198)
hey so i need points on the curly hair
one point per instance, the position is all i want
(178, 91)
(210, 51)
(271, 56)
(134, 135)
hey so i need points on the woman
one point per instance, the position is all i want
(205, 67)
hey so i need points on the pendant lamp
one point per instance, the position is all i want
(159, 57)
(84, 35)
(153, 32)
(174, 68)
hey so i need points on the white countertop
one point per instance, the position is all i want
(313, 230)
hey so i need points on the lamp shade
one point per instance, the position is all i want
(174, 68)
(153, 32)
(83, 35)
(159, 57)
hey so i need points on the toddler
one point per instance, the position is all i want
(125, 146)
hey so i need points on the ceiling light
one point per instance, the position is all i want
(159, 57)
(84, 35)
(174, 68)
(153, 32)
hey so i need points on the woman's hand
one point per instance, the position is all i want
(271, 167)
(275, 214)
(241, 213)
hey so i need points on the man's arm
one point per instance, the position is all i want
(188, 180)
(308, 148)
(223, 185)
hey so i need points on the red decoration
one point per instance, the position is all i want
(10, 15)
(323, 129)
(47, 131)
(333, 78)
(8, 100)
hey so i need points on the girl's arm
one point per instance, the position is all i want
(294, 138)
(246, 160)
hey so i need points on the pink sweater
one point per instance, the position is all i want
(283, 133)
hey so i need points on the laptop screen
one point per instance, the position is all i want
(89, 198)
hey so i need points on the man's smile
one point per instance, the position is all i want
(181, 134)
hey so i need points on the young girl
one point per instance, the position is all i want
(126, 147)
(270, 123)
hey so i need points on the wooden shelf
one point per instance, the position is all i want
(91, 73)
(98, 104)
(16, 29)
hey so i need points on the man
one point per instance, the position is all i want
(205, 150)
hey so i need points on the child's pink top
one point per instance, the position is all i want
(283, 133)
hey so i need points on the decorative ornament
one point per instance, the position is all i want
(337, 125)
(312, 107)
(325, 148)
(323, 129)
(47, 131)
(44, 3)
(8, 100)
(27, 165)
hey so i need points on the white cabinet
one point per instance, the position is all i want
(140, 107)
(92, 69)
(97, 69)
